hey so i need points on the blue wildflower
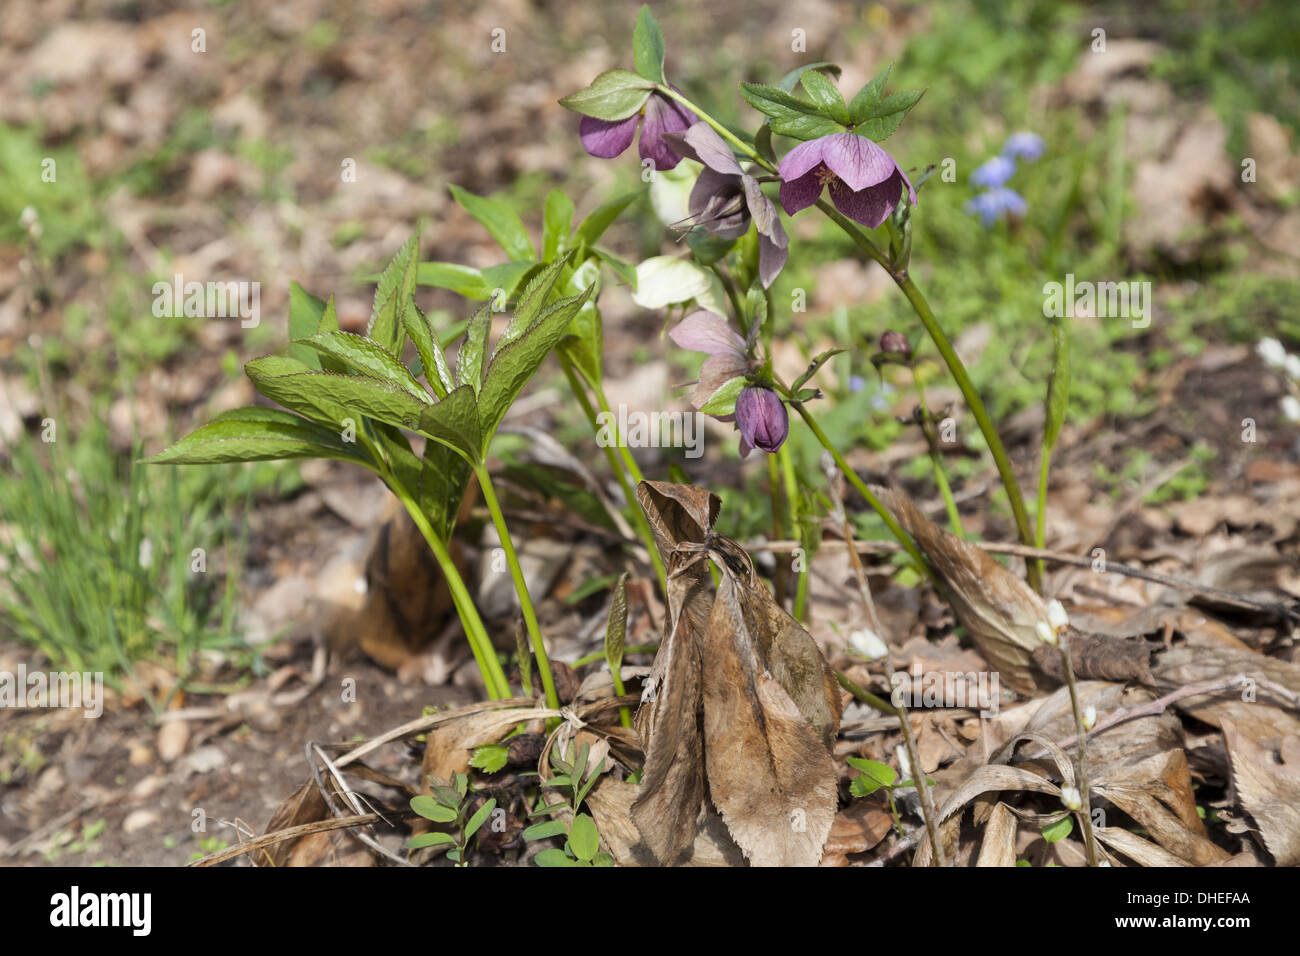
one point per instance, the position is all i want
(994, 172)
(993, 203)
(1023, 145)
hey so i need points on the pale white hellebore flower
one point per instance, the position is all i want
(867, 643)
(1056, 615)
(1272, 352)
(1070, 797)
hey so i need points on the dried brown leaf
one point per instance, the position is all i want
(1268, 784)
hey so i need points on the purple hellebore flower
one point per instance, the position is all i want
(1023, 145)
(725, 198)
(708, 332)
(607, 139)
(994, 172)
(762, 420)
(864, 180)
(994, 202)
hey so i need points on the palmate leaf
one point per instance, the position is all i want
(532, 300)
(258, 434)
(515, 363)
(454, 421)
(869, 96)
(396, 285)
(369, 358)
(825, 95)
(790, 116)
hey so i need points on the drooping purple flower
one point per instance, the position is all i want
(864, 180)
(991, 204)
(994, 172)
(762, 420)
(725, 199)
(607, 139)
(1023, 145)
(895, 343)
(708, 332)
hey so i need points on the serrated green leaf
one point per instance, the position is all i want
(583, 837)
(515, 364)
(557, 221)
(305, 311)
(394, 290)
(867, 97)
(471, 360)
(480, 817)
(429, 839)
(431, 809)
(546, 829)
(723, 401)
(790, 116)
(458, 278)
(825, 95)
(368, 358)
(329, 397)
(614, 95)
(554, 857)
(426, 346)
(787, 82)
(532, 300)
(258, 434)
(454, 421)
(886, 116)
(501, 221)
(600, 218)
(489, 758)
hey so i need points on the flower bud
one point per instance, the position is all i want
(1056, 616)
(762, 419)
(1045, 632)
(1089, 717)
(895, 343)
(1070, 797)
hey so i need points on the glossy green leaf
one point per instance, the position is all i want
(867, 97)
(614, 95)
(426, 346)
(368, 358)
(823, 92)
(431, 809)
(532, 300)
(790, 116)
(501, 221)
(887, 115)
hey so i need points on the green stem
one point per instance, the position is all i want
(908, 545)
(480, 643)
(521, 587)
(796, 527)
(616, 465)
(600, 655)
(633, 469)
(1040, 536)
(1085, 801)
(864, 695)
(954, 516)
(624, 715)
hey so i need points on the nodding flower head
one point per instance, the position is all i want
(895, 343)
(762, 420)
(865, 181)
(607, 139)
(726, 198)
(994, 172)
